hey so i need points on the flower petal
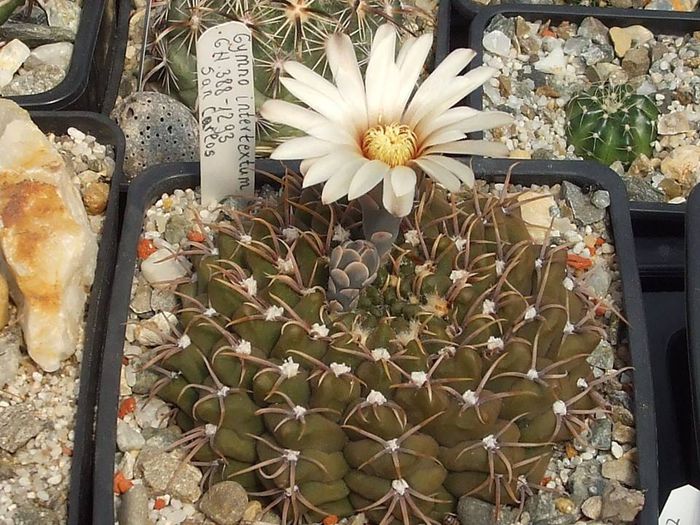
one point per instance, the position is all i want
(381, 72)
(460, 169)
(327, 166)
(447, 97)
(397, 205)
(283, 112)
(306, 164)
(483, 120)
(410, 69)
(403, 180)
(346, 72)
(338, 185)
(486, 148)
(440, 174)
(316, 100)
(447, 118)
(443, 74)
(302, 148)
(312, 79)
(366, 178)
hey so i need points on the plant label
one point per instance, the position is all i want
(682, 507)
(226, 112)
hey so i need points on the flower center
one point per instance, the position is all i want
(393, 144)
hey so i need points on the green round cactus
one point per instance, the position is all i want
(611, 123)
(330, 380)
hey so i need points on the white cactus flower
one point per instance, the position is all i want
(382, 129)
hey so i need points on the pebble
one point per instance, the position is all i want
(554, 63)
(623, 433)
(682, 164)
(141, 301)
(473, 511)
(12, 56)
(624, 38)
(34, 35)
(636, 62)
(128, 438)
(603, 356)
(584, 211)
(592, 507)
(177, 228)
(600, 199)
(162, 266)
(620, 503)
(166, 472)
(253, 512)
(18, 424)
(95, 197)
(58, 54)
(594, 29)
(163, 300)
(586, 481)
(621, 470)
(497, 42)
(543, 510)
(152, 332)
(616, 450)
(674, 123)
(10, 354)
(641, 190)
(225, 503)
(152, 413)
(601, 434)
(133, 509)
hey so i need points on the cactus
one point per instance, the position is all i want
(611, 123)
(451, 366)
(282, 30)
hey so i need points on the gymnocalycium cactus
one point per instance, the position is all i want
(282, 30)
(454, 370)
(611, 123)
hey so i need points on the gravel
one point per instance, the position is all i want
(543, 66)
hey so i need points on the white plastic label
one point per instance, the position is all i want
(226, 112)
(682, 507)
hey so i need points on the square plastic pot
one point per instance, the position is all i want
(107, 133)
(149, 186)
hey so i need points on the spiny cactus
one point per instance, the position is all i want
(455, 369)
(610, 123)
(282, 30)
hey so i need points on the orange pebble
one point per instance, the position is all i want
(599, 241)
(545, 480)
(330, 520)
(145, 248)
(600, 310)
(195, 236)
(578, 262)
(159, 504)
(127, 407)
(547, 32)
(571, 451)
(121, 484)
(67, 451)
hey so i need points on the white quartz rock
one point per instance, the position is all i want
(58, 54)
(162, 266)
(47, 249)
(12, 56)
(554, 62)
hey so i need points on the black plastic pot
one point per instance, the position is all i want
(693, 304)
(148, 187)
(107, 133)
(108, 63)
(94, 53)
(658, 227)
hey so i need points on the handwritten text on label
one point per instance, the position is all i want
(226, 112)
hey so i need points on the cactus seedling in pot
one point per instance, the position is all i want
(393, 340)
(611, 123)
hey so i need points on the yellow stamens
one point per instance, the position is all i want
(393, 144)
